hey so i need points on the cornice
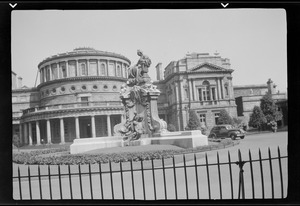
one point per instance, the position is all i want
(71, 79)
(192, 72)
(84, 53)
(74, 111)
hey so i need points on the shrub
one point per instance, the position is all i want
(257, 118)
(224, 118)
(38, 157)
(194, 122)
(171, 128)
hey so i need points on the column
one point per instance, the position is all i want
(108, 125)
(50, 72)
(44, 74)
(181, 90)
(126, 72)
(176, 90)
(93, 126)
(30, 133)
(77, 68)
(87, 67)
(25, 134)
(190, 90)
(38, 134)
(98, 67)
(217, 90)
(58, 71)
(67, 69)
(41, 76)
(20, 131)
(62, 131)
(48, 131)
(222, 88)
(77, 131)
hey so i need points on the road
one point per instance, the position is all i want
(190, 183)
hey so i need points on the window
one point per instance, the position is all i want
(202, 118)
(95, 87)
(217, 115)
(85, 101)
(119, 71)
(206, 91)
(64, 71)
(213, 93)
(83, 69)
(105, 87)
(103, 70)
(48, 74)
(83, 87)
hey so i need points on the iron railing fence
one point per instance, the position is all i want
(187, 176)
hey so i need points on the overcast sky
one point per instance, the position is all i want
(253, 39)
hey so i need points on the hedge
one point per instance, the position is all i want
(38, 156)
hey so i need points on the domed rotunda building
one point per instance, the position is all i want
(78, 97)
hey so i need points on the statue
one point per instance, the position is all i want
(138, 74)
(139, 97)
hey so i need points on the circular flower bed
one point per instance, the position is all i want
(62, 156)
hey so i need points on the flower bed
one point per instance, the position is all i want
(61, 156)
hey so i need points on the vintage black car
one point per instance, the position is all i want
(226, 131)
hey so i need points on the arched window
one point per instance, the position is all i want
(119, 71)
(206, 91)
(103, 70)
(83, 69)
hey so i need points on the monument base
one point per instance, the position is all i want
(89, 144)
(184, 139)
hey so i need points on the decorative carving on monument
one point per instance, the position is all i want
(139, 97)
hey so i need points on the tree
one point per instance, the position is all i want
(194, 122)
(257, 118)
(224, 118)
(270, 109)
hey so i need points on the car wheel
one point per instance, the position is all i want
(242, 137)
(213, 136)
(232, 136)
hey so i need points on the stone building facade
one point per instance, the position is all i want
(199, 82)
(78, 97)
(248, 96)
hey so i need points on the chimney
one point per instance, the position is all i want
(19, 82)
(159, 72)
(271, 87)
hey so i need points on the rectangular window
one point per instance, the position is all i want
(213, 93)
(217, 115)
(85, 101)
(202, 118)
(207, 95)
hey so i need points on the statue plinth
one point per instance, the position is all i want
(141, 113)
